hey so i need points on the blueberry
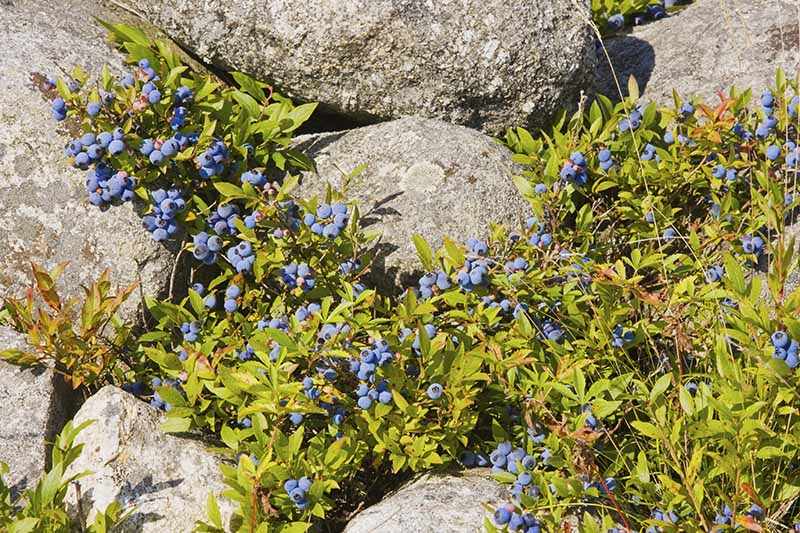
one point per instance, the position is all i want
(779, 339)
(116, 147)
(156, 157)
(502, 516)
(616, 22)
(435, 391)
(773, 152)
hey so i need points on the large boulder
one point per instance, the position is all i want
(166, 478)
(422, 176)
(434, 503)
(486, 64)
(46, 214)
(707, 47)
(34, 405)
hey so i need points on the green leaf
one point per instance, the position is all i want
(212, 511)
(647, 429)
(633, 89)
(25, 525)
(523, 185)
(126, 33)
(249, 85)
(229, 190)
(176, 425)
(423, 251)
(300, 115)
(248, 103)
(660, 386)
(228, 436)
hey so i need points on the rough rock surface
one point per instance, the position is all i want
(167, 478)
(706, 47)
(487, 64)
(46, 215)
(434, 503)
(423, 176)
(34, 405)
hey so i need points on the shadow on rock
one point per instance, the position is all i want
(629, 56)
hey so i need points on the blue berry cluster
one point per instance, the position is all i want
(538, 237)
(106, 189)
(329, 331)
(159, 151)
(297, 489)
(59, 109)
(507, 515)
(652, 12)
(514, 460)
(161, 221)
(303, 312)
(328, 221)
(475, 271)
(752, 244)
(150, 93)
(721, 172)
(474, 459)
(792, 154)
(769, 123)
(231, 294)
(621, 337)
(88, 149)
(365, 366)
(574, 169)
(433, 281)
(520, 264)
(430, 331)
(379, 393)
(785, 348)
(183, 98)
(206, 247)
(212, 161)
(606, 162)
(725, 517)
(633, 121)
(294, 275)
(157, 401)
(190, 330)
(254, 178)
(241, 256)
(505, 304)
(662, 516)
(223, 219)
(648, 153)
(715, 273)
(552, 331)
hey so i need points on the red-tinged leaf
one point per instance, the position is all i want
(749, 524)
(46, 287)
(750, 491)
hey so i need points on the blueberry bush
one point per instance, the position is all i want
(625, 359)
(42, 507)
(614, 15)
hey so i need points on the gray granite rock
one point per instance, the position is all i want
(487, 64)
(46, 215)
(166, 478)
(34, 405)
(704, 48)
(423, 176)
(434, 503)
